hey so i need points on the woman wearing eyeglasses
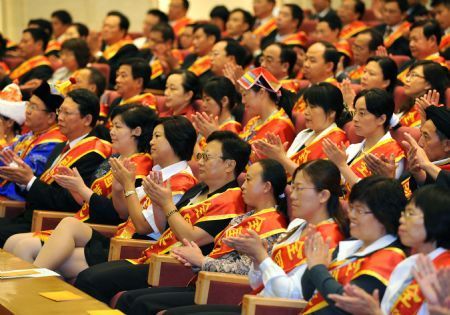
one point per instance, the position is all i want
(424, 75)
(73, 245)
(423, 228)
(315, 207)
(266, 219)
(368, 260)
(373, 112)
(199, 215)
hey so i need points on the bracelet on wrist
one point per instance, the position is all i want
(128, 193)
(170, 213)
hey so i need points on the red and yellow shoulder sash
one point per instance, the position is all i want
(180, 24)
(352, 29)
(379, 264)
(180, 183)
(357, 73)
(386, 148)
(81, 149)
(53, 45)
(226, 205)
(314, 150)
(266, 223)
(146, 99)
(29, 65)
(399, 32)
(411, 118)
(103, 186)
(112, 50)
(291, 255)
(295, 39)
(266, 28)
(411, 299)
(201, 65)
(291, 85)
(445, 42)
(5, 67)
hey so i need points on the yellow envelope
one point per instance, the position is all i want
(60, 296)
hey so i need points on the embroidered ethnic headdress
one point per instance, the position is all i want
(260, 77)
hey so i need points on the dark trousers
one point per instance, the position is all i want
(9, 227)
(152, 300)
(104, 280)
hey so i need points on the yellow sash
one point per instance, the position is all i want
(28, 65)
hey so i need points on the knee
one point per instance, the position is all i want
(84, 279)
(125, 301)
(69, 223)
(27, 248)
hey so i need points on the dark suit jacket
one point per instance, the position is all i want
(42, 196)
(127, 51)
(329, 13)
(268, 40)
(158, 83)
(399, 47)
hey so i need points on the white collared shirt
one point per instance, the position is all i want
(351, 248)
(354, 149)
(304, 136)
(167, 173)
(400, 278)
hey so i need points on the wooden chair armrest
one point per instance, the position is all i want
(165, 270)
(11, 208)
(120, 248)
(47, 220)
(254, 304)
(211, 285)
(107, 230)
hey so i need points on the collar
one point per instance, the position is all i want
(265, 20)
(351, 248)
(75, 141)
(169, 171)
(447, 31)
(323, 12)
(354, 149)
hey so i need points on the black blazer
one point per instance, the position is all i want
(41, 72)
(399, 47)
(127, 51)
(42, 196)
(268, 40)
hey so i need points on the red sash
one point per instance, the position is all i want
(187, 112)
(344, 47)
(266, 28)
(386, 147)
(296, 39)
(180, 24)
(401, 30)
(411, 299)
(112, 50)
(82, 148)
(314, 150)
(103, 186)
(291, 85)
(266, 223)
(179, 183)
(5, 67)
(357, 73)
(352, 29)
(29, 65)
(411, 118)
(226, 205)
(291, 255)
(230, 125)
(445, 42)
(379, 265)
(157, 69)
(278, 123)
(146, 99)
(53, 45)
(201, 65)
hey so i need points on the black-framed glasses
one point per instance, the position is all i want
(34, 107)
(358, 210)
(60, 112)
(206, 157)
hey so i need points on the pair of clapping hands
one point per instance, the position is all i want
(434, 284)
(14, 169)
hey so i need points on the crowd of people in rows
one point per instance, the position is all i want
(309, 150)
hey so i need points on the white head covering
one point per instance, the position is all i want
(11, 104)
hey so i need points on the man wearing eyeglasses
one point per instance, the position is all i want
(77, 117)
(35, 147)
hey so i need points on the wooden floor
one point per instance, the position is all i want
(21, 296)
